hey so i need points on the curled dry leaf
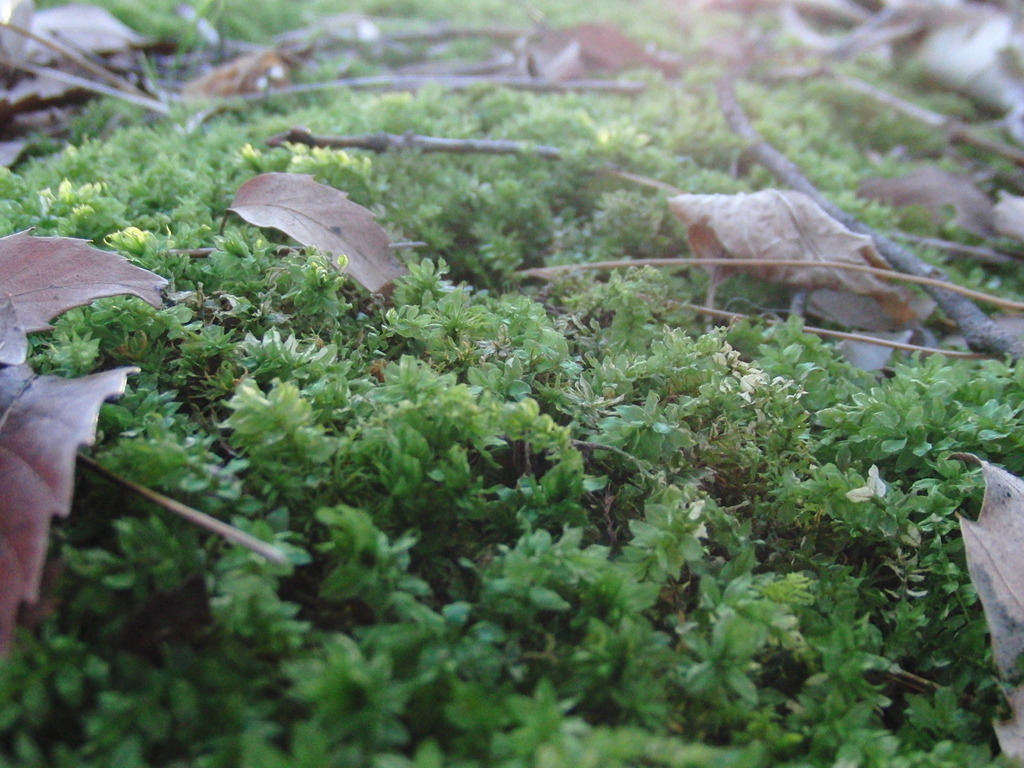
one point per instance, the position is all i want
(43, 421)
(41, 277)
(252, 73)
(936, 189)
(775, 226)
(995, 561)
(322, 217)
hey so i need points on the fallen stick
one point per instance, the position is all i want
(979, 331)
(154, 105)
(384, 142)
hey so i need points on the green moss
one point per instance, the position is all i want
(561, 524)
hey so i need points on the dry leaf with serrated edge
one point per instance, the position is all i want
(935, 189)
(41, 277)
(783, 225)
(43, 421)
(322, 217)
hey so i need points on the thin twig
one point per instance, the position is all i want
(203, 520)
(382, 142)
(825, 332)
(444, 32)
(70, 53)
(979, 331)
(455, 83)
(972, 251)
(154, 105)
(884, 274)
(955, 130)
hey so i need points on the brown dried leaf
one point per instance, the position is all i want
(251, 73)
(575, 52)
(1011, 732)
(43, 421)
(323, 217)
(995, 560)
(41, 277)
(783, 225)
(1009, 216)
(864, 313)
(85, 28)
(935, 189)
(17, 13)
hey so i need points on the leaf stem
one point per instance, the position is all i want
(203, 520)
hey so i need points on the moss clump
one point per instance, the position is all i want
(555, 525)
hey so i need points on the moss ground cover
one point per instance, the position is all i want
(553, 525)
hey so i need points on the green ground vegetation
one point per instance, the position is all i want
(529, 524)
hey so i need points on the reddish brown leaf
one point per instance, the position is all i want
(936, 189)
(40, 277)
(776, 227)
(323, 217)
(43, 421)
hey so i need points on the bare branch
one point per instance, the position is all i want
(383, 142)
